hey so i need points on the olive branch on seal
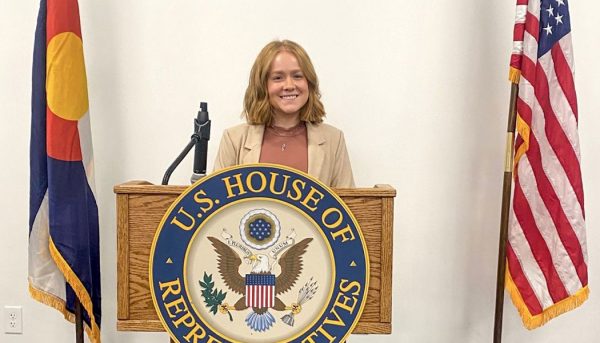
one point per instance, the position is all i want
(212, 298)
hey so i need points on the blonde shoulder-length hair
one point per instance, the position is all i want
(257, 108)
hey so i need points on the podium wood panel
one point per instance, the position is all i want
(141, 206)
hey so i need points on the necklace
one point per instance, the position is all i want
(287, 132)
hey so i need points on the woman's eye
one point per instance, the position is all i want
(298, 76)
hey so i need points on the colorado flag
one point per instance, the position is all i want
(64, 258)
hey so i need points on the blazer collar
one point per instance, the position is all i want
(253, 144)
(316, 149)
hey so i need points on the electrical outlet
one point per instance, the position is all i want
(13, 319)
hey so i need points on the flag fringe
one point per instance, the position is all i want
(57, 303)
(531, 322)
(523, 130)
(78, 288)
(514, 75)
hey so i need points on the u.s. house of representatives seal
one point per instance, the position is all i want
(259, 253)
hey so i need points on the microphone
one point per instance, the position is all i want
(202, 129)
(199, 139)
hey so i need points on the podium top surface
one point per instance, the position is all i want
(145, 187)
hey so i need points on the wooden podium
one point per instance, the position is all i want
(141, 205)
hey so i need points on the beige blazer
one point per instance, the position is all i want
(328, 158)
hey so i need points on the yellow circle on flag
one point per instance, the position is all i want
(66, 82)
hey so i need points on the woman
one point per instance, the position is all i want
(285, 120)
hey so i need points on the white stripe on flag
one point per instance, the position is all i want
(87, 153)
(543, 221)
(567, 49)
(520, 14)
(517, 48)
(530, 50)
(557, 177)
(533, 7)
(44, 275)
(526, 92)
(529, 265)
(560, 105)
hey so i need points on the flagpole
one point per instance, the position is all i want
(506, 192)
(78, 321)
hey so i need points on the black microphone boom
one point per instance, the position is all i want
(200, 140)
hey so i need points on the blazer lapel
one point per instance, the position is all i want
(252, 145)
(316, 149)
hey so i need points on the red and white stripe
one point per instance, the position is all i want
(520, 15)
(260, 296)
(546, 252)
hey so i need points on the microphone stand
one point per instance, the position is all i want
(202, 133)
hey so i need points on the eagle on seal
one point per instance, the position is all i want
(291, 266)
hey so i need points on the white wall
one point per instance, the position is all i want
(419, 87)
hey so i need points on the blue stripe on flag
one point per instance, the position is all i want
(74, 225)
(37, 151)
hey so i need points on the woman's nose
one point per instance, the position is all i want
(289, 83)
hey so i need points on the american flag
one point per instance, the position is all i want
(260, 290)
(546, 248)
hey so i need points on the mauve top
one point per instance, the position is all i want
(288, 147)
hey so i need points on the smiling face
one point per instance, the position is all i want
(287, 88)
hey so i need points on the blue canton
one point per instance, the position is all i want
(260, 279)
(555, 23)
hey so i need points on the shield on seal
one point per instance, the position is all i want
(260, 290)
